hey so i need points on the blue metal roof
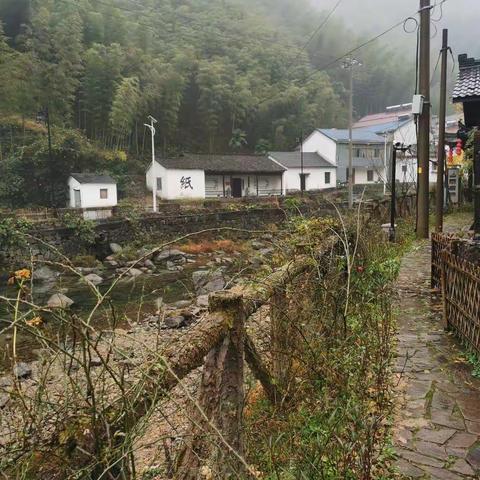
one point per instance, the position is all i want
(359, 135)
(383, 128)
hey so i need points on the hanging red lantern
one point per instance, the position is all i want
(459, 149)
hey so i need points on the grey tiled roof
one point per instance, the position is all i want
(468, 82)
(293, 160)
(93, 178)
(223, 163)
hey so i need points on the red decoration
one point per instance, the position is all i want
(459, 148)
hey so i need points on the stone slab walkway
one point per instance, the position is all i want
(437, 432)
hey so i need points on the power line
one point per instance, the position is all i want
(320, 27)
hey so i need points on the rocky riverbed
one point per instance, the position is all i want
(165, 290)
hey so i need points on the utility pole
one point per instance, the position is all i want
(50, 162)
(302, 175)
(423, 201)
(476, 186)
(151, 127)
(441, 136)
(398, 147)
(385, 167)
(348, 65)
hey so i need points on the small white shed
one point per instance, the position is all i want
(90, 190)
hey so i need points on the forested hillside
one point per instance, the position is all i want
(218, 75)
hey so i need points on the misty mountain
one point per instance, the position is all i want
(374, 16)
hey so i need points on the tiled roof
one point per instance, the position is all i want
(93, 178)
(468, 82)
(359, 135)
(293, 160)
(223, 163)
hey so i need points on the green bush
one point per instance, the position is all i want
(12, 233)
(84, 229)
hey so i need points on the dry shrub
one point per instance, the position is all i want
(209, 246)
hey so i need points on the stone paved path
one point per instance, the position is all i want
(438, 423)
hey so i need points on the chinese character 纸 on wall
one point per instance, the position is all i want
(186, 183)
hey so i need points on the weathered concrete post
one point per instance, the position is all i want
(217, 445)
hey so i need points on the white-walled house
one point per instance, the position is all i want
(215, 176)
(90, 191)
(368, 153)
(319, 173)
(397, 124)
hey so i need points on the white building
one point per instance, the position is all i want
(368, 153)
(318, 173)
(397, 124)
(216, 176)
(90, 191)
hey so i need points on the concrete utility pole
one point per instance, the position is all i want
(440, 197)
(152, 129)
(349, 64)
(423, 201)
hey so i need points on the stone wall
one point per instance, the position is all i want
(165, 227)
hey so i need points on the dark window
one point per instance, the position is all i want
(104, 193)
(369, 175)
(327, 178)
(404, 168)
(358, 153)
(159, 183)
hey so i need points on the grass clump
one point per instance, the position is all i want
(336, 419)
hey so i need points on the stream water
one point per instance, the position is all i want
(133, 300)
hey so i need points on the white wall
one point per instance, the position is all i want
(315, 179)
(90, 194)
(361, 175)
(184, 184)
(177, 183)
(324, 146)
(406, 170)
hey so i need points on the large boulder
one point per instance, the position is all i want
(115, 248)
(59, 300)
(134, 272)
(93, 278)
(206, 281)
(170, 254)
(45, 274)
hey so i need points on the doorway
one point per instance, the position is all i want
(77, 199)
(236, 187)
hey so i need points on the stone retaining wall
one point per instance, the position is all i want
(168, 227)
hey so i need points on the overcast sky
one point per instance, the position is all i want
(461, 17)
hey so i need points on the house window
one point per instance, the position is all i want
(327, 178)
(404, 168)
(377, 153)
(358, 153)
(369, 175)
(159, 183)
(104, 193)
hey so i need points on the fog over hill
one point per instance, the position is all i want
(461, 17)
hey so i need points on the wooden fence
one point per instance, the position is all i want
(461, 298)
(220, 343)
(459, 281)
(440, 242)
